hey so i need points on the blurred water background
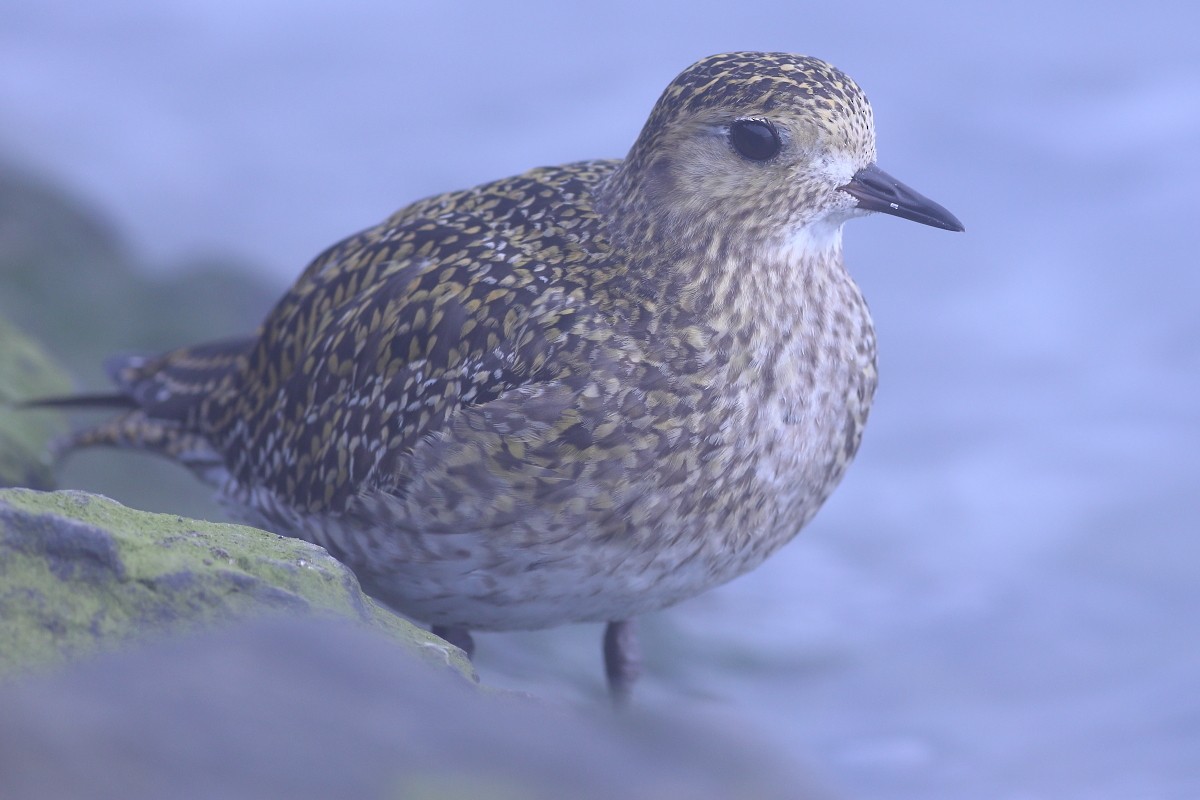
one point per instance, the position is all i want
(1001, 601)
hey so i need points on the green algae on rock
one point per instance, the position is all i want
(80, 574)
(27, 372)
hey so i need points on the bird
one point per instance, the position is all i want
(579, 394)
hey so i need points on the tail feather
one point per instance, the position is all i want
(134, 430)
(78, 401)
(173, 385)
(160, 399)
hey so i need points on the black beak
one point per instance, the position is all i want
(875, 190)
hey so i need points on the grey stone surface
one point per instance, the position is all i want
(303, 708)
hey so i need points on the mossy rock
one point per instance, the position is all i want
(80, 573)
(27, 372)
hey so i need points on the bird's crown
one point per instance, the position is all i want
(769, 84)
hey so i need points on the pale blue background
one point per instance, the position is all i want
(1002, 599)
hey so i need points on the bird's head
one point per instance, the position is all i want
(771, 146)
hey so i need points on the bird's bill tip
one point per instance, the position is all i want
(876, 190)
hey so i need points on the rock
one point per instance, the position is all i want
(27, 372)
(81, 573)
(304, 708)
(202, 660)
(70, 279)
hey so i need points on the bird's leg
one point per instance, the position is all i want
(622, 659)
(459, 637)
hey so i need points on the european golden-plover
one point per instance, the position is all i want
(578, 394)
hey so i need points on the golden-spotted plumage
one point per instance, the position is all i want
(580, 393)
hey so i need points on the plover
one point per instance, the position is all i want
(578, 394)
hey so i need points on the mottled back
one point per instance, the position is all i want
(449, 302)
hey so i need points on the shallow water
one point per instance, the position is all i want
(1000, 601)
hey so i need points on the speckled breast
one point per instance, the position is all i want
(700, 479)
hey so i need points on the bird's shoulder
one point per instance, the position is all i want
(456, 259)
(530, 212)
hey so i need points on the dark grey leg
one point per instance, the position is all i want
(622, 659)
(459, 637)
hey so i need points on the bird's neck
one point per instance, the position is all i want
(710, 261)
(734, 280)
(780, 295)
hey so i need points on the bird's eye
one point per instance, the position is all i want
(755, 139)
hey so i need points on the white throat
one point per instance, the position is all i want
(819, 240)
